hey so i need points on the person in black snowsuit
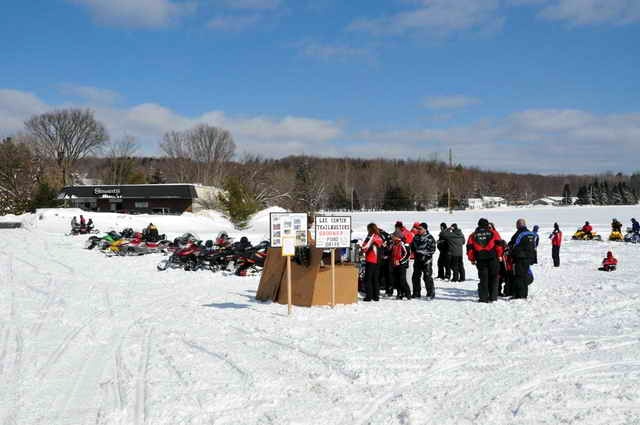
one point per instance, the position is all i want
(484, 251)
(522, 247)
(616, 226)
(635, 226)
(455, 243)
(423, 246)
(535, 231)
(444, 272)
(399, 261)
(384, 264)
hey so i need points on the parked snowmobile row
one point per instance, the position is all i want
(187, 252)
(241, 257)
(126, 242)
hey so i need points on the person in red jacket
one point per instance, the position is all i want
(610, 263)
(406, 233)
(556, 241)
(371, 247)
(587, 229)
(399, 262)
(484, 251)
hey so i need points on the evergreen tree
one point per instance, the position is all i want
(237, 203)
(44, 196)
(566, 195)
(396, 199)
(634, 182)
(603, 199)
(594, 193)
(628, 197)
(616, 195)
(583, 196)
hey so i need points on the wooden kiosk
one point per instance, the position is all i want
(310, 285)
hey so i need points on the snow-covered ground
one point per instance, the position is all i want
(86, 339)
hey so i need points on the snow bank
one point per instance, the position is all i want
(90, 339)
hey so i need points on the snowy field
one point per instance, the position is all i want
(86, 339)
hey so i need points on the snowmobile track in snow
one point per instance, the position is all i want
(140, 407)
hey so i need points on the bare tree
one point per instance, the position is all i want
(175, 146)
(67, 135)
(18, 176)
(208, 148)
(120, 161)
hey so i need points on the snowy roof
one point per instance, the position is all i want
(493, 199)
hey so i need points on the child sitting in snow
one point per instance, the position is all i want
(609, 263)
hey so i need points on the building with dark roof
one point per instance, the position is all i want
(140, 198)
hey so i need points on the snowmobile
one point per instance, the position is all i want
(138, 246)
(632, 237)
(185, 257)
(116, 248)
(182, 241)
(79, 230)
(252, 260)
(214, 258)
(103, 242)
(579, 235)
(616, 236)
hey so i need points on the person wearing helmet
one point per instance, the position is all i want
(151, 233)
(610, 263)
(616, 226)
(587, 230)
(635, 226)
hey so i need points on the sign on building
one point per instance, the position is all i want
(283, 225)
(333, 231)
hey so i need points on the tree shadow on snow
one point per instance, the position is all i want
(225, 306)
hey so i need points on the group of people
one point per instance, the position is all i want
(81, 227)
(387, 259)
(504, 268)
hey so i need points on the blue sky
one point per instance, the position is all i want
(548, 86)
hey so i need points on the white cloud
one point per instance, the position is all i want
(540, 140)
(233, 23)
(437, 17)
(138, 13)
(450, 102)
(92, 95)
(15, 107)
(149, 121)
(592, 12)
(444, 18)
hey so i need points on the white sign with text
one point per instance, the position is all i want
(333, 231)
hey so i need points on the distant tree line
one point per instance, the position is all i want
(608, 193)
(70, 146)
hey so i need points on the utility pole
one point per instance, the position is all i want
(449, 182)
